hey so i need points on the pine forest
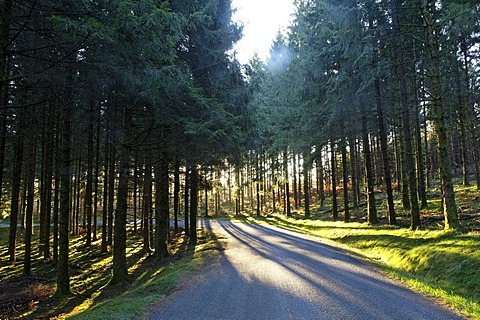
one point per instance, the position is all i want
(127, 124)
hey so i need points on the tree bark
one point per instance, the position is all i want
(353, 169)
(346, 201)
(30, 186)
(333, 162)
(392, 219)
(16, 185)
(119, 270)
(306, 189)
(89, 182)
(193, 205)
(176, 195)
(161, 207)
(187, 200)
(287, 189)
(63, 278)
(106, 179)
(448, 194)
(372, 217)
(407, 132)
(147, 202)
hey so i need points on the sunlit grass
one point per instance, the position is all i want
(153, 285)
(90, 272)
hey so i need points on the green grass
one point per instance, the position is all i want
(151, 285)
(134, 302)
(443, 264)
(90, 271)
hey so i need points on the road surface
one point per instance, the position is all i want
(271, 273)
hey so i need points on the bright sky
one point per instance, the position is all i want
(261, 19)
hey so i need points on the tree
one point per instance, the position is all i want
(432, 47)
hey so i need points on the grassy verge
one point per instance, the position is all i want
(445, 265)
(90, 271)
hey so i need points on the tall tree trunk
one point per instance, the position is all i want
(56, 193)
(345, 181)
(294, 178)
(257, 183)
(111, 190)
(187, 200)
(176, 195)
(106, 179)
(334, 180)
(470, 113)
(238, 186)
(306, 189)
(161, 207)
(372, 217)
(6, 17)
(4, 100)
(63, 278)
(353, 169)
(119, 270)
(422, 191)
(147, 202)
(49, 162)
(407, 132)
(448, 194)
(287, 188)
(193, 205)
(392, 219)
(97, 174)
(16, 185)
(89, 182)
(30, 185)
(274, 183)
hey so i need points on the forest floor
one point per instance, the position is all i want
(90, 271)
(438, 263)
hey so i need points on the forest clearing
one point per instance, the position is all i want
(121, 118)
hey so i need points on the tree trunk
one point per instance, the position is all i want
(147, 202)
(333, 177)
(392, 219)
(187, 200)
(287, 189)
(448, 194)
(407, 132)
(470, 114)
(294, 178)
(306, 190)
(63, 278)
(345, 181)
(422, 192)
(111, 190)
(49, 162)
(16, 186)
(97, 174)
(6, 17)
(56, 194)
(353, 169)
(89, 182)
(106, 179)
(176, 195)
(119, 270)
(161, 207)
(371, 205)
(193, 205)
(30, 185)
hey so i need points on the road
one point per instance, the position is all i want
(271, 273)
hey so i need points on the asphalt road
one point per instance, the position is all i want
(270, 273)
